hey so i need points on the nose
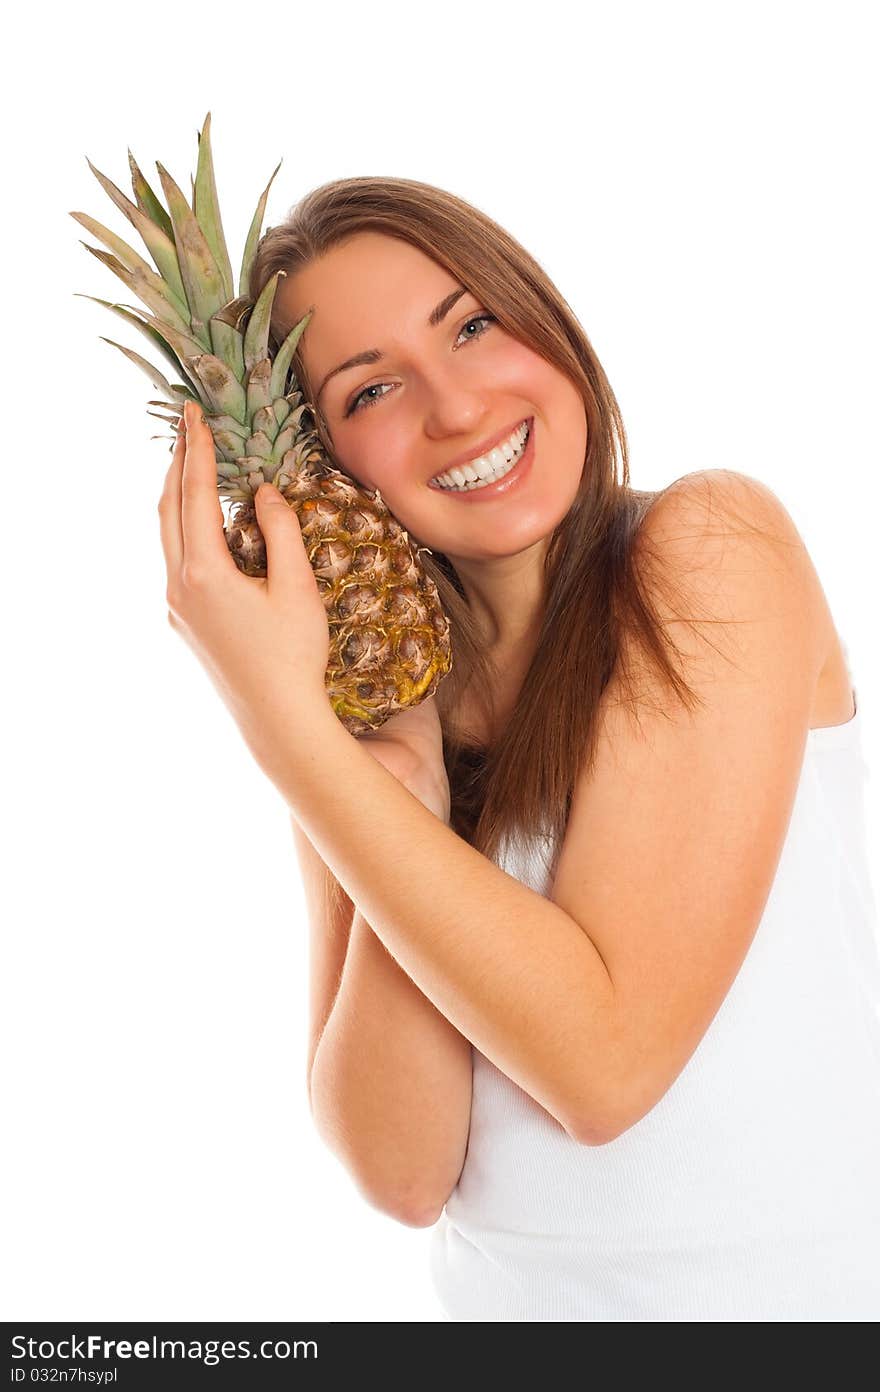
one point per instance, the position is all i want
(453, 403)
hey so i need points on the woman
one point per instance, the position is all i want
(596, 985)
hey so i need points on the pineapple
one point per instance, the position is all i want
(389, 636)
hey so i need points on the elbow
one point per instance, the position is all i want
(591, 1134)
(407, 1209)
(599, 1128)
(419, 1217)
(600, 1114)
(408, 1198)
(598, 1132)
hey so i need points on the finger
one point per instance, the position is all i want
(169, 512)
(204, 544)
(287, 561)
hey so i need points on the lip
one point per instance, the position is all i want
(502, 486)
(485, 448)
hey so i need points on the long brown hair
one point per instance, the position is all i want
(595, 590)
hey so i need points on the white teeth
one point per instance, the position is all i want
(488, 468)
(492, 462)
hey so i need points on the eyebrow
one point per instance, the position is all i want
(371, 355)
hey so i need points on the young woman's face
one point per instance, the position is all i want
(441, 391)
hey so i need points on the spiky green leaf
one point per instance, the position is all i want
(283, 443)
(256, 339)
(148, 202)
(146, 329)
(236, 313)
(207, 208)
(228, 469)
(183, 344)
(228, 444)
(229, 424)
(131, 259)
(258, 446)
(227, 344)
(253, 237)
(181, 392)
(258, 387)
(143, 288)
(264, 421)
(135, 263)
(254, 475)
(152, 372)
(155, 238)
(283, 357)
(205, 292)
(223, 388)
(281, 409)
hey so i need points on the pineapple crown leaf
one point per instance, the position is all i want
(228, 344)
(284, 355)
(256, 338)
(206, 208)
(131, 313)
(236, 313)
(180, 346)
(152, 372)
(218, 342)
(134, 263)
(225, 392)
(183, 344)
(253, 237)
(142, 287)
(129, 258)
(150, 204)
(156, 240)
(205, 292)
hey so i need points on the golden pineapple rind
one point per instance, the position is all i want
(390, 643)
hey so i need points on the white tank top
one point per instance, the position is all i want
(751, 1190)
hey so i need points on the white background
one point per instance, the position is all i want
(700, 180)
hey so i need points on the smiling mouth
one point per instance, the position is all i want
(489, 468)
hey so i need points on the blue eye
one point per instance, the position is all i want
(357, 404)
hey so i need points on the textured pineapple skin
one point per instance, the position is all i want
(389, 637)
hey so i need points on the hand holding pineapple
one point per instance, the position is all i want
(263, 641)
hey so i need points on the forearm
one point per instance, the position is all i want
(514, 973)
(391, 1082)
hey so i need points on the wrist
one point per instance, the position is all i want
(290, 742)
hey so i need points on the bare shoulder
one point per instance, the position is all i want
(710, 514)
(718, 550)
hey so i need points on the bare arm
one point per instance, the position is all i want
(329, 936)
(389, 1076)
